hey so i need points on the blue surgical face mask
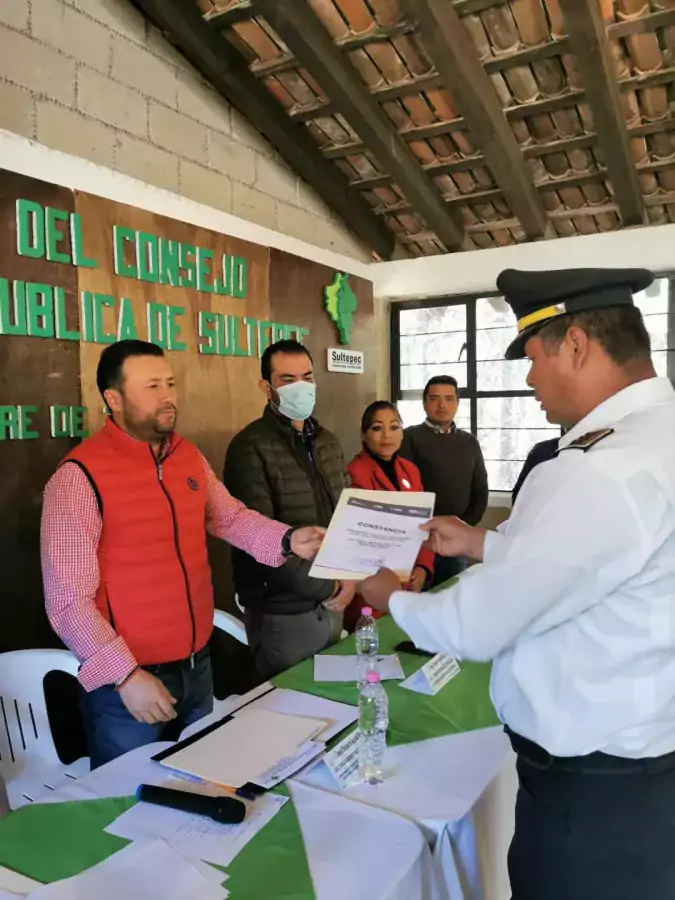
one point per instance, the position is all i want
(296, 400)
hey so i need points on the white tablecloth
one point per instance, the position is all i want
(361, 853)
(456, 791)
(437, 783)
(353, 851)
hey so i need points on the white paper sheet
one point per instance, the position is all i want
(196, 837)
(68, 794)
(332, 667)
(243, 748)
(289, 765)
(14, 883)
(210, 872)
(122, 776)
(222, 708)
(149, 870)
(373, 529)
(337, 716)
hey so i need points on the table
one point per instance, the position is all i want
(318, 838)
(310, 848)
(437, 784)
(446, 752)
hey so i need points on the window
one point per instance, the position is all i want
(466, 337)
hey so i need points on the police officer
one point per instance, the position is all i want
(575, 599)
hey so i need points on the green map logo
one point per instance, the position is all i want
(340, 302)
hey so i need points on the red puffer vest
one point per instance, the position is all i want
(155, 585)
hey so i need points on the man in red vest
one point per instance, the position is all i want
(124, 559)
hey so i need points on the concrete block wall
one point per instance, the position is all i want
(94, 79)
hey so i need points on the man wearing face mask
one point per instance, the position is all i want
(286, 464)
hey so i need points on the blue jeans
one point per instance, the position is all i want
(112, 730)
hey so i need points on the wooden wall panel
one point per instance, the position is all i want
(33, 372)
(214, 402)
(218, 395)
(296, 294)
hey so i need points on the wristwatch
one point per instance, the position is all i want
(286, 549)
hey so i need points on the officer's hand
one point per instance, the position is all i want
(377, 589)
(343, 597)
(449, 536)
(147, 699)
(305, 542)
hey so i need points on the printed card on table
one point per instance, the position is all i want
(433, 675)
(343, 760)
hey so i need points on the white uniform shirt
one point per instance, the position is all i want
(575, 598)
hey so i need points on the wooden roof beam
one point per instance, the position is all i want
(588, 38)
(452, 52)
(226, 18)
(660, 126)
(467, 163)
(423, 132)
(557, 215)
(490, 194)
(513, 113)
(526, 55)
(562, 145)
(241, 11)
(306, 37)
(379, 35)
(227, 71)
(413, 237)
(471, 7)
(408, 88)
(664, 199)
(570, 181)
(642, 24)
(486, 196)
(503, 61)
(263, 69)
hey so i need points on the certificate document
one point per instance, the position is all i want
(371, 530)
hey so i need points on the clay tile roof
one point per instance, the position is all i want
(562, 136)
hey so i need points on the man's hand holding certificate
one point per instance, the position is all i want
(371, 530)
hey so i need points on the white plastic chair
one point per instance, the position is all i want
(28, 759)
(225, 621)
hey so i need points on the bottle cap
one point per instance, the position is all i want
(367, 611)
(372, 677)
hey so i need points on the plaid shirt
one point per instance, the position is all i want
(70, 535)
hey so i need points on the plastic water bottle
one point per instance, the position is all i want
(373, 722)
(367, 644)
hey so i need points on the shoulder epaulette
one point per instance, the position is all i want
(586, 441)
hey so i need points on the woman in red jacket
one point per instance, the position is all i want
(378, 467)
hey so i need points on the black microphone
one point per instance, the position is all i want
(227, 810)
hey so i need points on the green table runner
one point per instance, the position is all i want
(462, 705)
(57, 840)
